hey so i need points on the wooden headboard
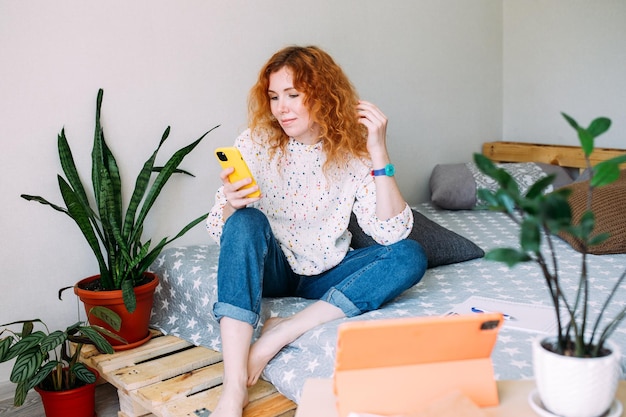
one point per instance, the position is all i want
(562, 155)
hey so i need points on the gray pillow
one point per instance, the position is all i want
(442, 246)
(454, 186)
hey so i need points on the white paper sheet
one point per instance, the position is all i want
(524, 316)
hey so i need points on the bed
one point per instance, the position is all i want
(183, 302)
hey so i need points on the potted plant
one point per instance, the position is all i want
(113, 233)
(580, 340)
(47, 362)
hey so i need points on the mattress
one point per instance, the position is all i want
(184, 300)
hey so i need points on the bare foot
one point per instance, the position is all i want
(231, 402)
(274, 337)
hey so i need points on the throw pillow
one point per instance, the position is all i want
(454, 186)
(442, 246)
(609, 207)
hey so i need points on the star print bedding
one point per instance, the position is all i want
(184, 300)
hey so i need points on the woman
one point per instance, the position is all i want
(318, 154)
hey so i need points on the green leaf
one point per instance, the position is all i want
(484, 164)
(21, 390)
(107, 315)
(112, 226)
(508, 183)
(586, 141)
(128, 294)
(605, 173)
(69, 168)
(585, 137)
(97, 339)
(73, 328)
(26, 365)
(110, 335)
(42, 373)
(43, 201)
(509, 256)
(615, 160)
(81, 217)
(531, 206)
(25, 344)
(530, 235)
(599, 126)
(83, 373)
(555, 209)
(110, 205)
(539, 187)
(587, 223)
(5, 344)
(176, 171)
(598, 239)
(488, 197)
(97, 153)
(53, 340)
(506, 200)
(571, 121)
(27, 328)
(116, 247)
(141, 185)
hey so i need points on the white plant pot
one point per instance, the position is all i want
(576, 387)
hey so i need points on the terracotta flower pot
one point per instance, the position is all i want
(576, 387)
(134, 325)
(77, 402)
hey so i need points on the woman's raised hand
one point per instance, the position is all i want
(376, 122)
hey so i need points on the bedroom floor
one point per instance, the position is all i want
(107, 404)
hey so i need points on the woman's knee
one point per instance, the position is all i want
(246, 221)
(410, 259)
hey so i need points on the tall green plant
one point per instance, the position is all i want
(114, 234)
(541, 216)
(44, 358)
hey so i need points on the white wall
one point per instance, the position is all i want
(564, 56)
(433, 66)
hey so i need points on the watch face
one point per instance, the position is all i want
(390, 170)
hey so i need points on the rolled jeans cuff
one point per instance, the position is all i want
(338, 299)
(228, 310)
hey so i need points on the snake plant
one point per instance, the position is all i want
(541, 216)
(113, 233)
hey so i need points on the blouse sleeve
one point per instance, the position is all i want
(215, 218)
(384, 232)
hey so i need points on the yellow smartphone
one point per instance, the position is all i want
(231, 157)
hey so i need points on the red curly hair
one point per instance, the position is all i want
(328, 95)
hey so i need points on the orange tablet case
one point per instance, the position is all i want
(398, 366)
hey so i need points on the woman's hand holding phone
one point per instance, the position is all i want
(240, 188)
(238, 193)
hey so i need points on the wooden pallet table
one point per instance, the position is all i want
(169, 377)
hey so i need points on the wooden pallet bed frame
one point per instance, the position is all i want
(562, 155)
(169, 377)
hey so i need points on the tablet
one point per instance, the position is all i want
(400, 366)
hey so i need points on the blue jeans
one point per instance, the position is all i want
(252, 265)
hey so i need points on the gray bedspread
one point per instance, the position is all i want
(187, 292)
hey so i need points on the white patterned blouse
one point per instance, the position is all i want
(308, 210)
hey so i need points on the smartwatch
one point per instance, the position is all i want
(389, 170)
